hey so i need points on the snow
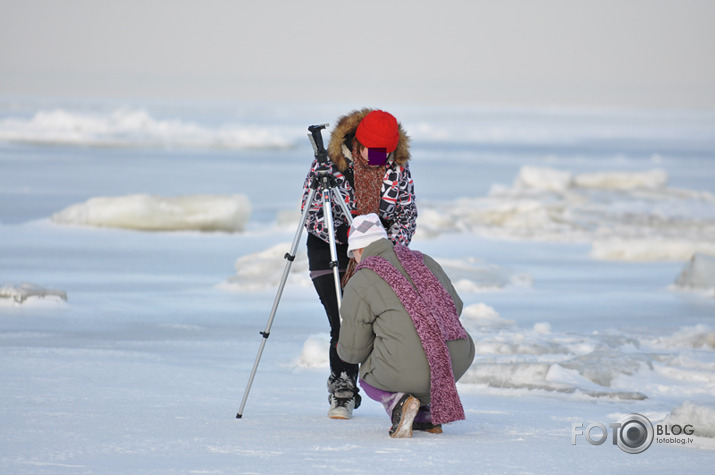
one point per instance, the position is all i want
(651, 179)
(681, 416)
(698, 274)
(20, 293)
(157, 213)
(315, 352)
(654, 249)
(578, 240)
(263, 270)
(127, 127)
(630, 216)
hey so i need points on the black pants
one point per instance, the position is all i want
(319, 261)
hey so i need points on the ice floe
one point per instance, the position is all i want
(126, 127)
(22, 292)
(158, 213)
(624, 215)
(698, 274)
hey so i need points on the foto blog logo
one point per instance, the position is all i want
(632, 433)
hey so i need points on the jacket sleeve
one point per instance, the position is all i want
(315, 221)
(356, 333)
(405, 218)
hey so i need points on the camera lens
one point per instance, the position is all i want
(635, 434)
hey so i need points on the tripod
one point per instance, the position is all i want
(323, 181)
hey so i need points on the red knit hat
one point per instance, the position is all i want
(378, 129)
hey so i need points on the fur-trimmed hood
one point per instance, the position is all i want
(342, 135)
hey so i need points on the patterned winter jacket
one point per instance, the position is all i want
(398, 210)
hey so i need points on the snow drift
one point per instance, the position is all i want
(698, 274)
(511, 359)
(701, 417)
(600, 365)
(624, 215)
(315, 352)
(263, 270)
(20, 293)
(137, 128)
(155, 213)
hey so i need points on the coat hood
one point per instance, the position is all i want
(340, 145)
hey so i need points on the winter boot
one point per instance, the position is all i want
(423, 421)
(343, 397)
(427, 427)
(341, 407)
(403, 415)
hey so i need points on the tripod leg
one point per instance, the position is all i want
(328, 215)
(290, 256)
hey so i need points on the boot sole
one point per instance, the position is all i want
(342, 415)
(342, 412)
(409, 411)
(432, 430)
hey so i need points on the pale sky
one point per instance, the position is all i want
(603, 53)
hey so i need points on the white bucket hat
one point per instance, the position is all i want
(364, 230)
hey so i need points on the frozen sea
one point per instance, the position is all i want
(141, 246)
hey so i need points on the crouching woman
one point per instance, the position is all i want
(401, 324)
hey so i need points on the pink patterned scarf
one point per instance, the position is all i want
(435, 317)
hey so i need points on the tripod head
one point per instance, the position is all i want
(316, 138)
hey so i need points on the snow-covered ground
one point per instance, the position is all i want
(141, 248)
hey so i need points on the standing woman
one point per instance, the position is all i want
(368, 153)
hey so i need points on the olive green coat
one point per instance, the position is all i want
(378, 333)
